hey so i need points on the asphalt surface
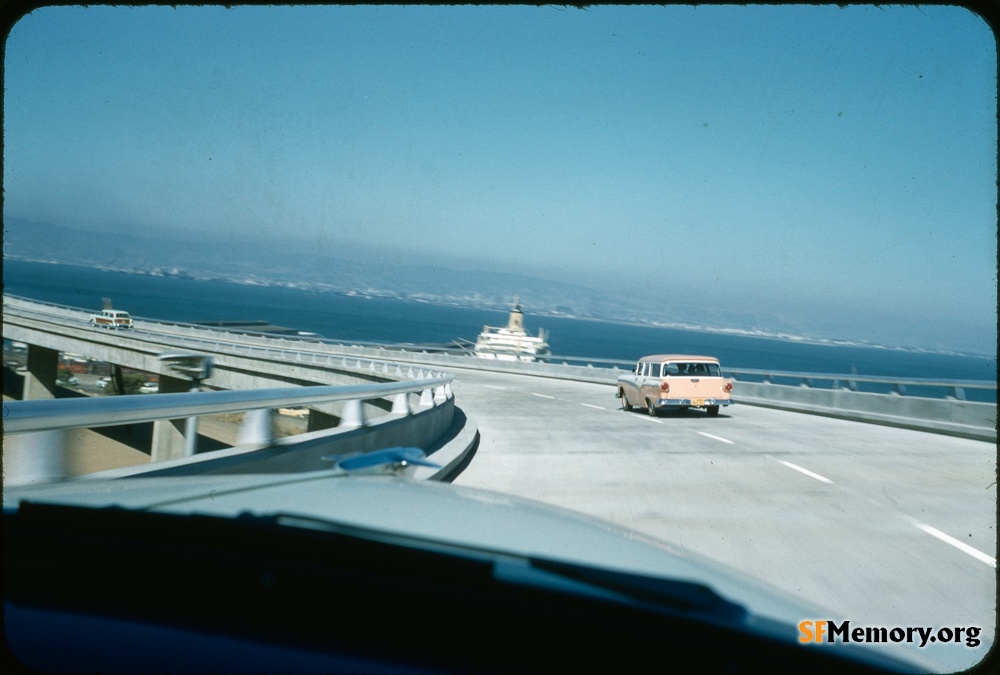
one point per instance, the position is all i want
(877, 525)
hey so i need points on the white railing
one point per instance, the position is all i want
(36, 448)
(102, 411)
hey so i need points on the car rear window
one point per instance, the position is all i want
(691, 370)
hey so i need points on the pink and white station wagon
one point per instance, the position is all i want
(675, 381)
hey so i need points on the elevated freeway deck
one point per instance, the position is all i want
(883, 526)
(880, 525)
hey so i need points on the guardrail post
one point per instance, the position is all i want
(426, 398)
(354, 415)
(439, 395)
(255, 429)
(898, 389)
(401, 404)
(957, 393)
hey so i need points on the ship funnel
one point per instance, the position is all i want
(515, 323)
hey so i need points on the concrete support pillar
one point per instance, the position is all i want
(168, 435)
(168, 440)
(40, 380)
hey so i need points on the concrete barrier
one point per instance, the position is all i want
(430, 429)
(967, 419)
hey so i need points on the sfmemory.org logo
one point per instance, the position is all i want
(831, 631)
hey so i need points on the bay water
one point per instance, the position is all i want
(393, 321)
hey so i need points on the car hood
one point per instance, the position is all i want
(438, 512)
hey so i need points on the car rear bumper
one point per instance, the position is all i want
(693, 402)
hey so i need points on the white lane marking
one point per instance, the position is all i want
(493, 386)
(806, 472)
(594, 406)
(652, 419)
(542, 395)
(963, 547)
(718, 438)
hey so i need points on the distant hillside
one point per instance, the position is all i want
(373, 271)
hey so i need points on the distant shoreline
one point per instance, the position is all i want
(371, 294)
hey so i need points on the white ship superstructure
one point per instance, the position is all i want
(512, 342)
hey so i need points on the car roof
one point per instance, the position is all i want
(678, 357)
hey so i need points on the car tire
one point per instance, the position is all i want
(626, 406)
(650, 408)
(712, 410)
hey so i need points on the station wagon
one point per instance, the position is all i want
(112, 318)
(675, 381)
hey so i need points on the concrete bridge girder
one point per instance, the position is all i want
(231, 371)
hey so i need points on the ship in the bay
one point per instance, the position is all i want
(512, 342)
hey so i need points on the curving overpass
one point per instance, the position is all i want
(880, 524)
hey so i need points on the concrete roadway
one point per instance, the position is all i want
(880, 526)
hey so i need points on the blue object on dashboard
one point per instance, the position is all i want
(397, 455)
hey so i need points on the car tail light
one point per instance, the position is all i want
(664, 387)
(727, 387)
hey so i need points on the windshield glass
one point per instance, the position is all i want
(309, 196)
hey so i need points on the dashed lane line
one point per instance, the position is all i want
(543, 396)
(807, 472)
(718, 438)
(598, 407)
(961, 546)
(933, 531)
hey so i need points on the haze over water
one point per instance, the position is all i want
(346, 318)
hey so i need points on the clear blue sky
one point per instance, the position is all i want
(810, 158)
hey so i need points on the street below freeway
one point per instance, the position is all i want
(876, 525)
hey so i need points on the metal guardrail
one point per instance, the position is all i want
(56, 414)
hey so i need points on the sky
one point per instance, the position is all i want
(835, 162)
